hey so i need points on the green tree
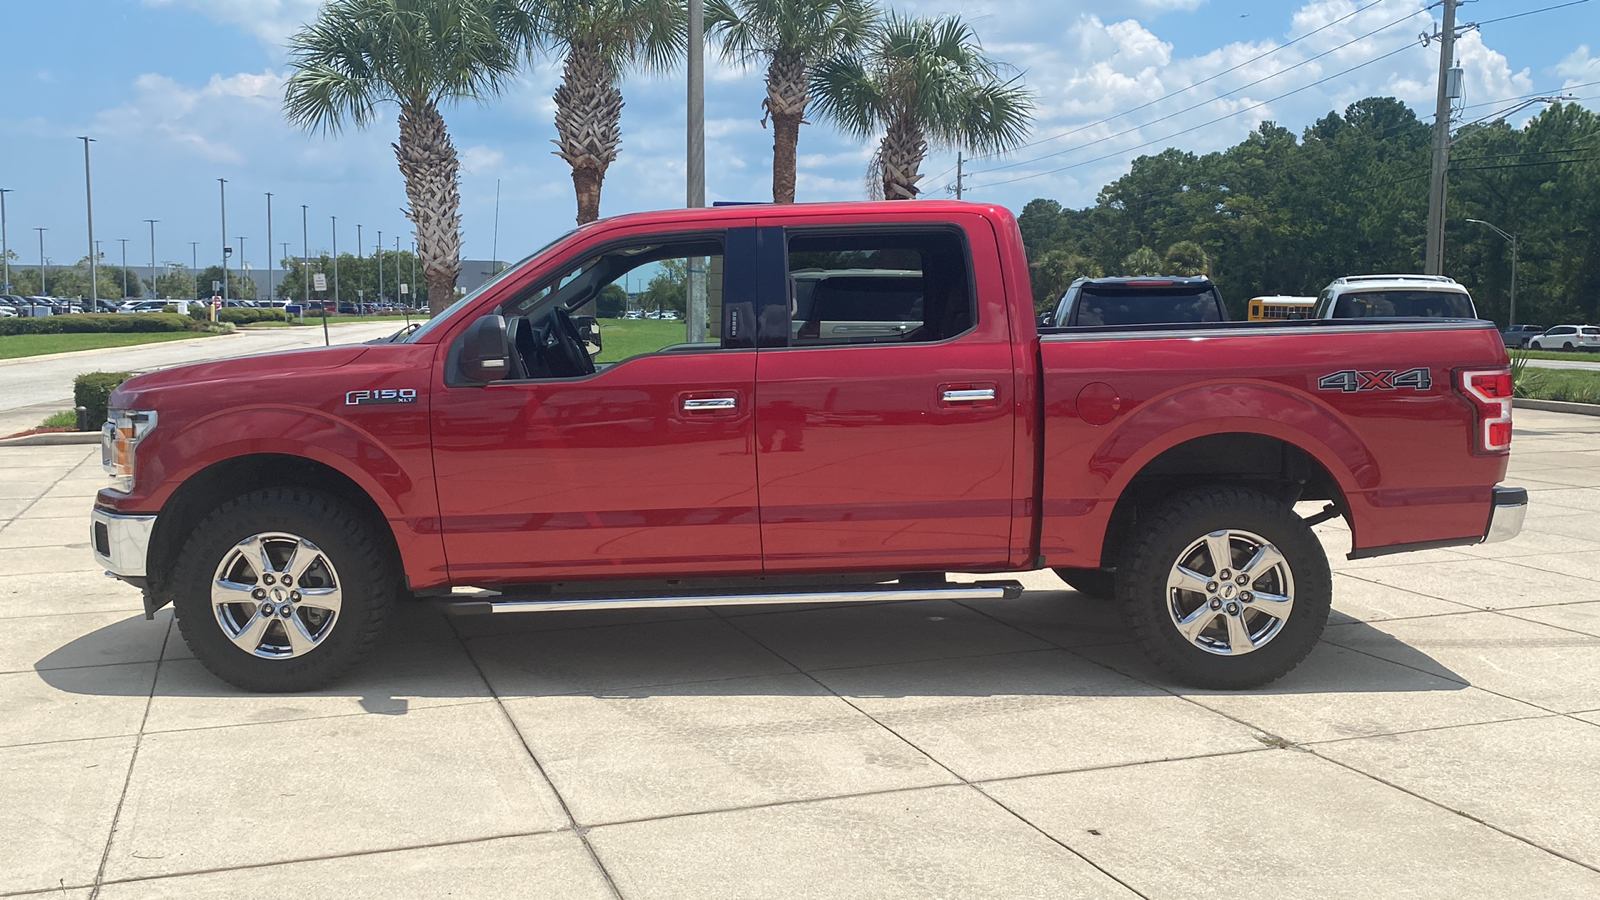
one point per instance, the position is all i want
(1186, 258)
(668, 288)
(239, 287)
(418, 55)
(791, 37)
(924, 83)
(600, 40)
(1142, 261)
(177, 281)
(612, 302)
(1055, 271)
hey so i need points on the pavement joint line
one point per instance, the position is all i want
(1309, 745)
(1508, 614)
(317, 718)
(566, 809)
(1462, 813)
(133, 760)
(952, 772)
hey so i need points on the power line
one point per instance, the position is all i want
(1196, 84)
(1196, 106)
(1531, 12)
(1202, 124)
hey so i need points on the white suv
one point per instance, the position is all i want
(1567, 337)
(1410, 296)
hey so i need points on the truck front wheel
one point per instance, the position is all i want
(282, 590)
(1225, 588)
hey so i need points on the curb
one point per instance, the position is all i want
(1560, 406)
(53, 439)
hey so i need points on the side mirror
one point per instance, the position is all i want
(589, 329)
(485, 354)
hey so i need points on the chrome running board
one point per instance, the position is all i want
(979, 590)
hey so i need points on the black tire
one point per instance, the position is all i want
(1098, 584)
(360, 566)
(1566, 346)
(1148, 604)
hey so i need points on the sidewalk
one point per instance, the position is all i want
(1443, 741)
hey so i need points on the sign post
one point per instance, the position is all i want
(320, 283)
(216, 306)
(405, 302)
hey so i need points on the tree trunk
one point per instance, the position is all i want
(588, 124)
(900, 155)
(786, 103)
(432, 175)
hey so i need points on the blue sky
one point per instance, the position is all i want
(179, 93)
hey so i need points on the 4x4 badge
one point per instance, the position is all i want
(1351, 381)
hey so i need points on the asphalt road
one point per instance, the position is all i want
(31, 389)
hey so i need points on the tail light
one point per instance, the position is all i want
(1489, 391)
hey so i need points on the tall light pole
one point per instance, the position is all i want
(223, 183)
(335, 261)
(305, 261)
(1512, 314)
(153, 291)
(244, 267)
(271, 291)
(124, 243)
(5, 246)
(695, 315)
(88, 204)
(380, 266)
(42, 291)
(1433, 263)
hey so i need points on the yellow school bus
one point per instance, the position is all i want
(1263, 309)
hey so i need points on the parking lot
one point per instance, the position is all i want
(1443, 741)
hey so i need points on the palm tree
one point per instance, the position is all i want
(601, 39)
(923, 82)
(417, 54)
(792, 36)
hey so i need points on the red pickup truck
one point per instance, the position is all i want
(872, 407)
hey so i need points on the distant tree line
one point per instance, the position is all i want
(1277, 214)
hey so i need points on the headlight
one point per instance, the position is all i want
(119, 438)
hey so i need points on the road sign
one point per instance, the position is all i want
(319, 281)
(405, 288)
(216, 286)
(216, 302)
(292, 309)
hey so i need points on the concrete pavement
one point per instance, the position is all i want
(1441, 742)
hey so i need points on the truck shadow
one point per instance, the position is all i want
(1047, 644)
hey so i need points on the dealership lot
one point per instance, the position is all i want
(1443, 741)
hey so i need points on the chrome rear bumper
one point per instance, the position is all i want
(120, 542)
(1509, 508)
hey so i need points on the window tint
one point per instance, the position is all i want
(1145, 306)
(878, 288)
(1421, 304)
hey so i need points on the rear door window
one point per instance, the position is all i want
(878, 287)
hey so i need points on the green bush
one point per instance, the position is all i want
(91, 390)
(249, 316)
(97, 323)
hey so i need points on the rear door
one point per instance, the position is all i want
(888, 446)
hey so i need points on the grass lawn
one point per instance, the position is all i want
(622, 338)
(16, 346)
(1558, 354)
(1571, 385)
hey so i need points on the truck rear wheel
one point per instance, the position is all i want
(282, 590)
(1225, 588)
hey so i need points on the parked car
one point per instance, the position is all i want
(1394, 296)
(7, 311)
(1567, 337)
(150, 306)
(1161, 462)
(1139, 301)
(1519, 335)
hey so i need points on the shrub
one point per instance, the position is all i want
(247, 316)
(107, 323)
(91, 390)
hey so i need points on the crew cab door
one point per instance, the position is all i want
(644, 468)
(885, 427)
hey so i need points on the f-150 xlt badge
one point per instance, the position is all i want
(369, 398)
(1351, 381)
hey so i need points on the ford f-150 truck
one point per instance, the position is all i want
(285, 503)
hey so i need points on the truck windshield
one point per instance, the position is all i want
(1420, 304)
(1146, 305)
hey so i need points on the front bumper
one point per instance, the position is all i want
(1509, 508)
(120, 542)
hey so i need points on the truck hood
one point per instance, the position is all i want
(141, 391)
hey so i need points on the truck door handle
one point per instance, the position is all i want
(971, 395)
(709, 404)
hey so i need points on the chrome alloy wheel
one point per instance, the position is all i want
(276, 595)
(1230, 592)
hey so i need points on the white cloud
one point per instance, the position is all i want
(1579, 67)
(271, 21)
(481, 160)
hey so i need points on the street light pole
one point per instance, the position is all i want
(1512, 314)
(335, 261)
(42, 291)
(5, 247)
(271, 291)
(305, 261)
(380, 266)
(153, 292)
(124, 243)
(223, 183)
(194, 269)
(88, 203)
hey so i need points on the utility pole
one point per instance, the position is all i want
(42, 290)
(271, 290)
(88, 203)
(335, 262)
(153, 291)
(223, 184)
(695, 316)
(958, 174)
(1438, 181)
(5, 247)
(124, 243)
